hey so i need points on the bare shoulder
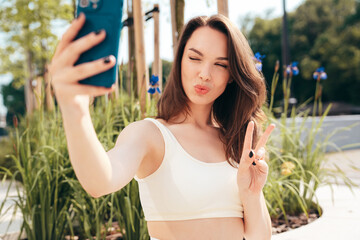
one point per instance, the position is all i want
(136, 146)
(143, 132)
(144, 140)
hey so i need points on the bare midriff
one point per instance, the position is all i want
(230, 228)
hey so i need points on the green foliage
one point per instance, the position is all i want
(41, 164)
(50, 198)
(27, 26)
(265, 38)
(54, 204)
(92, 216)
(166, 66)
(322, 33)
(129, 213)
(95, 216)
(297, 161)
(6, 148)
(14, 102)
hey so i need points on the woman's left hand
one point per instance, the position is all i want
(253, 169)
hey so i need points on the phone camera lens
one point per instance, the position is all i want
(94, 3)
(84, 3)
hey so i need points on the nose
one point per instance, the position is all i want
(205, 73)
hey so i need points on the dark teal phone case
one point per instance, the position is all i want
(107, 15)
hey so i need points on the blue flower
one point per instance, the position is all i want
(258, 57)
(154, 85)
(320, 72)
(293, 69)
(258, 61)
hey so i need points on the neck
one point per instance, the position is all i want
(200, 116)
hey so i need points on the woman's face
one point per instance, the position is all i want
(205, 66)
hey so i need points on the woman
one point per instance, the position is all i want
(200, 164)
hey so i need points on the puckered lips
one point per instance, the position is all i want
(201, 89)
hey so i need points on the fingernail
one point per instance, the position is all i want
(97, 32)
(261, 152)
(107, 60)
(251, 154)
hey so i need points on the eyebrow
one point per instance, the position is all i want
(198, 52)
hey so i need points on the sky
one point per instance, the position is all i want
(237, 10)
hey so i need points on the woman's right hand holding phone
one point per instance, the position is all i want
(65, 76)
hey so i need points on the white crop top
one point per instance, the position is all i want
(186, 188)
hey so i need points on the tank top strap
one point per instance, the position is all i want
(168, 145)
(165, 132)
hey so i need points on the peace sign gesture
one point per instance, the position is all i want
(253, 170)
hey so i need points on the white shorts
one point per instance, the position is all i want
(152, 238)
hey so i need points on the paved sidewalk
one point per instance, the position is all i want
(12, 229)
(341, 218)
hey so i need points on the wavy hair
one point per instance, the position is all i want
(242, 99)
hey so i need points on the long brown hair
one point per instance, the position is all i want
(242, 99)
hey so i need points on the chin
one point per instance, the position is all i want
(200, 100)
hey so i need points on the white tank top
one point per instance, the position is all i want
(186, 188)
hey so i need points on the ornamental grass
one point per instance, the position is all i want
(54, 205)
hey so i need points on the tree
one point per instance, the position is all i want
(322, 33)
(321, 36)
(265, 37)
(30, 41)
(13, 101)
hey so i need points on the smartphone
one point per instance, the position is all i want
(106, 15)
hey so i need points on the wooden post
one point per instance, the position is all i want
(29, 95)
(223, 7)
(173, 25)
(142, 70)
(157, 65)
(37, 86)
(48, 93)
(131, 68)
(177, 20)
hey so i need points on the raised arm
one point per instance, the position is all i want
(98, 172)
(251, 178)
